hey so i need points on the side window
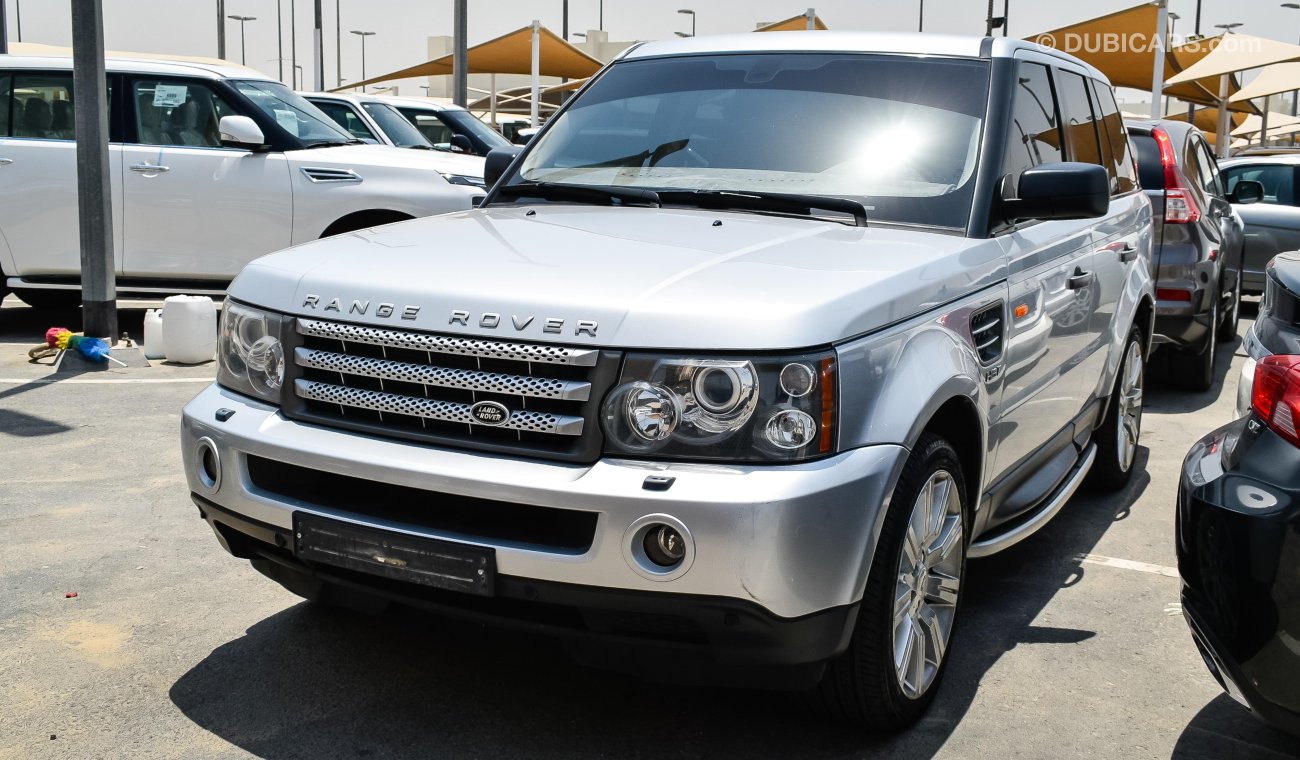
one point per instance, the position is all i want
(1034, 135)
(1080, 126)
(1278, 181)
(430, 126)
(6, 104)
(40, 106)
(345, 117)
(1194, 170)
(182, 112)
(1114, 134)
(1210, 170)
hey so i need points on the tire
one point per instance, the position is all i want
(864, 685)
(1195, 371)
(1228, 328)
(1117, 438)
(60, 300)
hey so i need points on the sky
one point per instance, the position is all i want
(188, 27)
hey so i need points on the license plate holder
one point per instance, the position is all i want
(399, 556)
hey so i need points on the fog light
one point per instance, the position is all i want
(664, 546)
(207, 465)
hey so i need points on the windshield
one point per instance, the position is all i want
(899, 134)
(398, 129)
(292, 112)
(489, 137)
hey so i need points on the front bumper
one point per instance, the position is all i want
(785, 541)
(1239, 558)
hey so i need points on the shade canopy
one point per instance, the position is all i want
(1207, 120)
(1238, 52)
(1274, 79)
(1131, 65)
(508, 54)
(793, 24)
(1251, 124)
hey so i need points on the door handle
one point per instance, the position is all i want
(149, 168)
(1128, 253)
(1079, 280)
(6, 161)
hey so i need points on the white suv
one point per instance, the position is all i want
(210, 166)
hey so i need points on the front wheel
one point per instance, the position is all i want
(1117, 438)
(891, 670)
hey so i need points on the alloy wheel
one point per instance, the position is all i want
(1130, 405)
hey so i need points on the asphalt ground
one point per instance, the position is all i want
(1071, 643)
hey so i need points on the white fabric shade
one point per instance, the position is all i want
(1252, 123)
(1238, 52)
(1274, 79)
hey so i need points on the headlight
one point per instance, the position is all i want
(250, 357)
(463, 179)
(761, 409)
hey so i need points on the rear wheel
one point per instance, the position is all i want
(1195, 371)
(1228, 328)
(891, 670)
(1117, 439)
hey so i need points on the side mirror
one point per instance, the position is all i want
(497, 161)
(1065, 190)
(461, 144)
(1247, 191)
(240, 132)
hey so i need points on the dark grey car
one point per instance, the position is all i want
(1197, 247)
(1273, 224)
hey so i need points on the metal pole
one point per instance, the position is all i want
(293, 43)
(536, 67)
(1158, 67)
(18, 18)
(920, 18)
(809, 20)
(243, 45)
(988, 24)
(4, 29)
(600, 24)
(564, 32)
(493, 101)
(221, 29)
(460, 53)
(1263, 125)
(94, 201)
(318, 47)
(279, 38)
(338, 44)
(1221, 133)
(363, 56)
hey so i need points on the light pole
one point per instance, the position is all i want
(279, 38)
(1169, 43)
(691, 13)
(600, 23)
(1227, 28)
(1295, 94)
(221, 29)
(242, 46)
(338, 44)
(363, 36)
(920, 18)
(18, 19)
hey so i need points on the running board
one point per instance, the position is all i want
(21, 284)
(995, 544)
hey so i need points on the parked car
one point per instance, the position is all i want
(1237, 527)
(1198, 245)
(447, 126)
(1272, 224)
(1276, 329)
(374, 120)
(210, 167)
(707, 400)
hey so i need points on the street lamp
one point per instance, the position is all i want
(1228, 27)
(691, 13)
(363, 36)
(241, 20)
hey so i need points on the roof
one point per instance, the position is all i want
(24, 54)
(508, 54)
(426, 103)
(814, 42)
(1132, 65)
(1239, 52)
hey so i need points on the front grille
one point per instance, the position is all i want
(424, 386)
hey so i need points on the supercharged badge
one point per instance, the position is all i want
(489, 413)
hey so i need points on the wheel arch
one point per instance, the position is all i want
(360, 220)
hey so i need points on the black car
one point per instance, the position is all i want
(1198, 244)
(1238, 528)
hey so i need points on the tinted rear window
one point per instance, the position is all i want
(1151, 173)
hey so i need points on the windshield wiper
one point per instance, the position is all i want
(650, 156)
(777, 202)
(333, 143)
(602, 194)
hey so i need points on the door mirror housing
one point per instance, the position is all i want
(240, 132)
(1064, 190)
(1247, 191)
(461, 144)
(497, 161)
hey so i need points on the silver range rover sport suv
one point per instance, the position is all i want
(742, 359)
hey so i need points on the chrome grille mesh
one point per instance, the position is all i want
(449, 344)
(426, 386)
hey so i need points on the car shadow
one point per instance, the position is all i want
(20, 323)
(311, 682)
(1178, 400)
(1224, 729)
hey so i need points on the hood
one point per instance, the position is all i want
(647, 277)
(360, 156)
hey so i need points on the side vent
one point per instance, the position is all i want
(986, 331)
(321, 174)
